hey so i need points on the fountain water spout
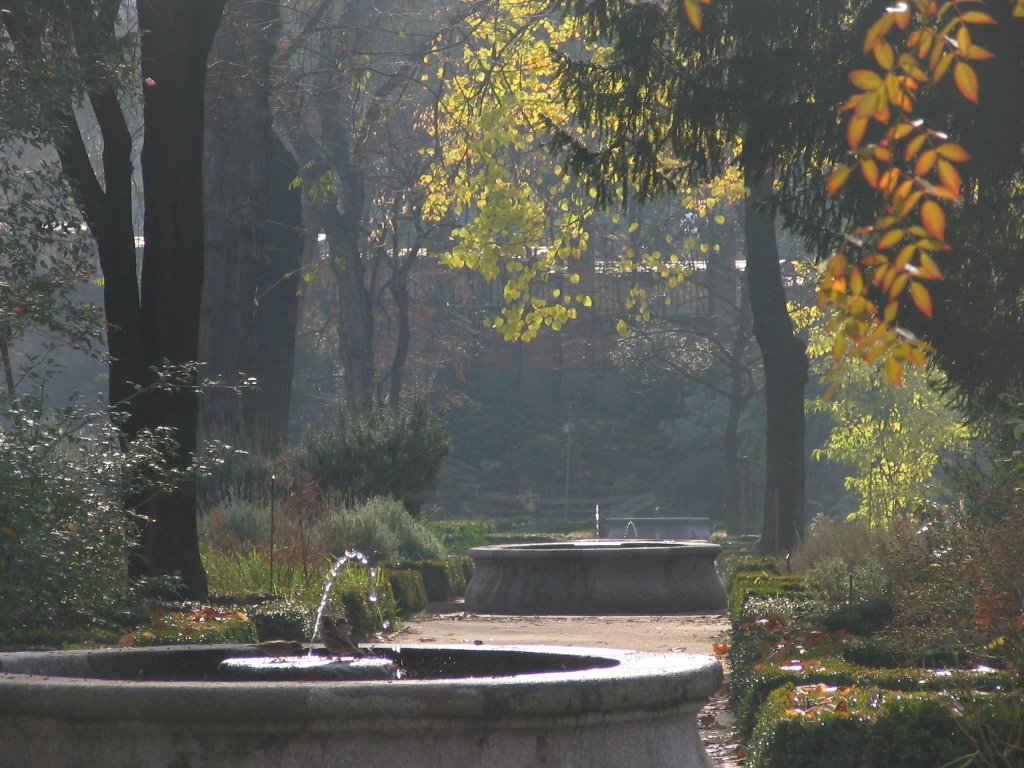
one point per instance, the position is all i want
(349, 555)
(630, 527)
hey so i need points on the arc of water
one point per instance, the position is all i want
(349, 555)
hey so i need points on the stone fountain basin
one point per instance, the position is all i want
(500, 707)
(602, 577)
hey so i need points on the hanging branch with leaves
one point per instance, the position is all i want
(915, 45)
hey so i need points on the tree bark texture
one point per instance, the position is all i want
(239, 140)
(176, 36)
(785, 371)
(152, 321)
(277, 312)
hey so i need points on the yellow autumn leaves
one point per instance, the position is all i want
(913, 168)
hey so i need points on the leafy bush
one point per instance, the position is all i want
(409, 591)
(380, 453)
(853, 597)
(444, 579)
(382, 528)
(764, 678)
(872, 728)
(749, 585)
(63, 533)
(460, 536)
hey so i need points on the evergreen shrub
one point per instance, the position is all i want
(869, 728)
(378, 453)
(409, 591)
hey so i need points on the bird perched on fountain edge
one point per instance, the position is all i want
(336, 635)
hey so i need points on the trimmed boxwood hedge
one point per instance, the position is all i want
(875, 728)
(444, 579)
(749, 692)
(746, 585)
(409, 591)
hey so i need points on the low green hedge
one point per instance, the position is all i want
(281, 620)
(731, 563)
(874, 728)
(369, 613)
(761, 584)
(444, 579)
(750, 691)
(409, 591)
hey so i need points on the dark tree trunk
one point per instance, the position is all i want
(738, 396)
(785, 372)
(277, 312)
(398, 287)
(237, 160)
(176, 36)
(157, 323)
(356, 326)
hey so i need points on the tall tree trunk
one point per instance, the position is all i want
(398, 287)
(176, 36)
(277, 311)
(785, 372)
(738, 396)
(237, 160)
(156, 323)
(356, 326)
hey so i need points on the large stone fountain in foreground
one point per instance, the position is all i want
(481, 706)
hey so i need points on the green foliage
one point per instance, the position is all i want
(283, 619)
(45, 262)
(197, 625)
(870, 727)
(891, 438)
(852, 597)
(460, 536)
(369, 608)
(409, 591)
(443, 579)
(381, 452)
(64, 535)
(246, 571)
(734, 560)
(746, 586)
(764, 678)
(381, 528)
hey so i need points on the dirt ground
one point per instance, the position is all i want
(449, 624)
(695, 633)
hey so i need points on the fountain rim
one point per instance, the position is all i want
(597, 548)
(640, 679)
(656, 518)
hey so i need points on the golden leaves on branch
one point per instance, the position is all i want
(913, 168)
(694, 12)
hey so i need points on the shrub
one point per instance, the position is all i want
(382, 452)
(197, 624)
(761, 585)
(380, 527)
(854, 597)
(281, 620)
(63, 532)
(869, 728)
(757, 684)
(409, 591)
(444, 579)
